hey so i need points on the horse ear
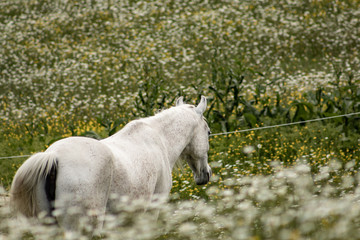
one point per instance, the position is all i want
(200, 109)
(180, 101)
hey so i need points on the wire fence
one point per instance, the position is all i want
(285, 124)
(10, 157)
(248, 130)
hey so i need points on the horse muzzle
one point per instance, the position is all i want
(204, 176)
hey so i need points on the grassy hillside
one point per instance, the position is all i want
(88, 67)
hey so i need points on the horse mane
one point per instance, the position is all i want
(160, 111)
(177, 108)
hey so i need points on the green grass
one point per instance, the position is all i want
(88, 67)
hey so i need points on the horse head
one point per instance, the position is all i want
(196, 152)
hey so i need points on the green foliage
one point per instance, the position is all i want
(153, 94)
(226, 87)
(229, 107)
(110, 126)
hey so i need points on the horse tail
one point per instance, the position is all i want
(34, 184)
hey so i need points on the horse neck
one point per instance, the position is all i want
(176, 126)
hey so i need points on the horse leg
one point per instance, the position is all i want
(82, 205)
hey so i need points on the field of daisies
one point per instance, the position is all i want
(86, 68)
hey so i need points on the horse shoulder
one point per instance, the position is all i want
(141, 164)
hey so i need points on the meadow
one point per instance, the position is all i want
(86, 68)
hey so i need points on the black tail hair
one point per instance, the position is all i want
(50, 187)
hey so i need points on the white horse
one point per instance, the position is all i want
(136, 162)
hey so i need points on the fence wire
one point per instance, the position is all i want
(285, 124)
(247, 130)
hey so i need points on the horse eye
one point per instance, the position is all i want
(209, 132)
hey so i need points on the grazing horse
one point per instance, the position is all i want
(136, 162)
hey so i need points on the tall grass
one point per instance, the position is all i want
(88, 67)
